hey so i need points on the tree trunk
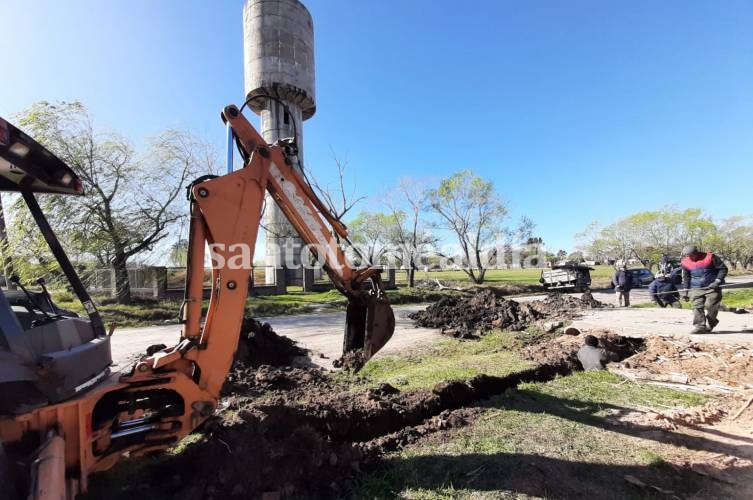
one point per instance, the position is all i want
(481, 276)
(122, 283)
(411, 277)
(7, 259)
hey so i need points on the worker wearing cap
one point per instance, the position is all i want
(622, 285)
(702, 275)
(663, 292)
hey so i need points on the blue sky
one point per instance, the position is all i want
(578, 110)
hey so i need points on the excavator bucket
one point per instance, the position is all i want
(369, 324)
(380, 325)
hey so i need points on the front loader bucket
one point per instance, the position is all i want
(369, 324)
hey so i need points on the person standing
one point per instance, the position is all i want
(663, 292)
(702, 275)
(622, 286)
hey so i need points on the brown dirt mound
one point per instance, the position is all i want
(702, 363)
(470, 317)
(566, 306)
(260, 345)
(487, 309)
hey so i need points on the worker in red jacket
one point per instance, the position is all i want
(702, 275)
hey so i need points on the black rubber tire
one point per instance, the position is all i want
(7, 480)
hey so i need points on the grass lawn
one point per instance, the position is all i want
(450, 359)
(150, 312)
(552, 439)
(544, 440)
(502, 276)
(738, 297)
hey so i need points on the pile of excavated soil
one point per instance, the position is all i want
(259, 347)
(485, 310)
(698, 362)
(564, 306)
(470, 317)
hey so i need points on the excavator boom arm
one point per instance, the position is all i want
(170, 392)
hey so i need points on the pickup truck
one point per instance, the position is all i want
(567, 277)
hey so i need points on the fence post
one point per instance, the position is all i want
(308, 280)
(113, 280)
(390, 283)
(280, 280)
(159, 282)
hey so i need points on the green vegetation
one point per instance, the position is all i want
(596, 391)
(550, 439)
(149, 312)
(140, 313)
(529, 276)
(740, 297)
(294, 302)
(450, 359)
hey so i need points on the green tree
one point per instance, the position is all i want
(735, 240)
(648, 235)
(131, 201)
(6, 256)
(470, 207)
(179, 253)
(371, 232)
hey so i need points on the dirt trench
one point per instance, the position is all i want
(289, 432)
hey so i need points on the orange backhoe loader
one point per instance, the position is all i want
(63, 415)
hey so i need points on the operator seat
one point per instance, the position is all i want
(49, 362)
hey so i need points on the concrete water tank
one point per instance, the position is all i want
(278, 42)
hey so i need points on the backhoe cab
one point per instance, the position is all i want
(46, 355)
(62, 413)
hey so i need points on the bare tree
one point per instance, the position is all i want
(409, 228)
(131, 202)
(470, 207)
(339, 199)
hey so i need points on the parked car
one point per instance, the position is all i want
(640, 277)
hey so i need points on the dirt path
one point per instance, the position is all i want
(319, 332)
(322, 332)
(732, 329)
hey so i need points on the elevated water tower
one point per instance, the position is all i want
(278, 57)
